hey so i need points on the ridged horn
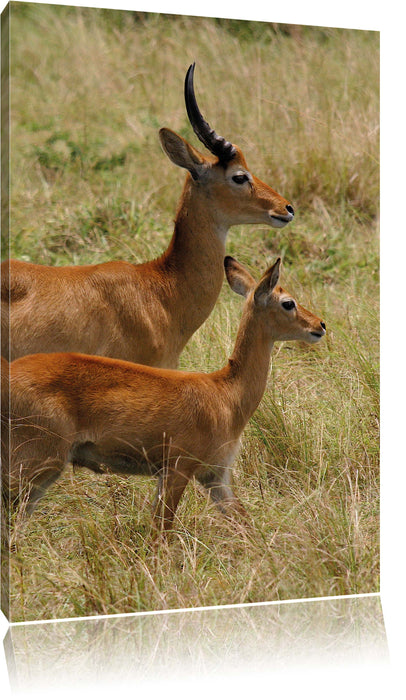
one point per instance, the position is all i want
(221, 148)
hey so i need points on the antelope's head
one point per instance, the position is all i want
(282, 317)
(223, 178)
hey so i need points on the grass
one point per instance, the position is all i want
(89, 182)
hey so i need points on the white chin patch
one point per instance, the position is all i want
(278, 223)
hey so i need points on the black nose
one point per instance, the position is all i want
(323, 325)
(290, 209)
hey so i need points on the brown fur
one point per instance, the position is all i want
(144, 313)
(116, 416)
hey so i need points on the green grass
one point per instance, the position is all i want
(89, 182)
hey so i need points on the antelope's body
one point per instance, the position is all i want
(115, 309)
(144, 313)
(115, 416)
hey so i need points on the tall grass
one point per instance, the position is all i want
(90, 89)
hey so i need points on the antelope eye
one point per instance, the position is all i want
(288, 305)
(240, 179)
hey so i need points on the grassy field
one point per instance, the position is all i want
(89, 183)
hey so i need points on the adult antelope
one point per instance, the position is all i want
(145, 313)
(116, 416)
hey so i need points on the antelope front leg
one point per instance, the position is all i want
(171, 485)
(218, 483)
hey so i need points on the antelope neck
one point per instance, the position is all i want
(194, 258)
(247, 370)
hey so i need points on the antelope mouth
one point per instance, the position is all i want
(315, 336)
(280, 221)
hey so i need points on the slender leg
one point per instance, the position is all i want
(217, 483)
(36, 457)
(41, 484)
(172, 483)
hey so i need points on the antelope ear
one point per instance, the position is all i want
(239, 279)
(267, 284)
(181, 153)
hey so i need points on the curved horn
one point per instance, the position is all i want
(221, 148)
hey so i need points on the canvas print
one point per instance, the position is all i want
(190, 290)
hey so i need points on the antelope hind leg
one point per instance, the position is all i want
(41, 483)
